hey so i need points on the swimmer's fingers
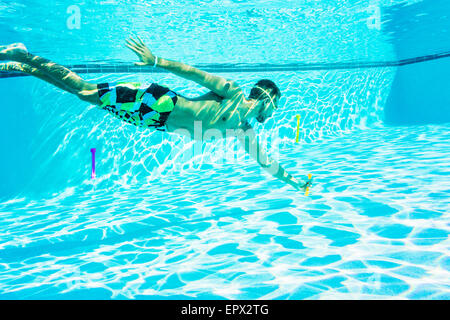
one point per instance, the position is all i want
(133, 46)
(130, 46)
(139, 43)
(144, 54)
(136, 46)
(300, 186)
(134, 42)
(134, 50)
(140, 40)
(303, 186)
(309, 184)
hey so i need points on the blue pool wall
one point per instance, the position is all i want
(420, 92)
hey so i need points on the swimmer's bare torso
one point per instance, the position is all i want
(210, 111)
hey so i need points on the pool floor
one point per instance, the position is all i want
(375, 226)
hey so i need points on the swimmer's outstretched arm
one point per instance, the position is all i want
(250, 143)
(221, 86)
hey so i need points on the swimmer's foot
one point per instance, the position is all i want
(12, 51)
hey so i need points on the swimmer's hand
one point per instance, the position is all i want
(303, 184)
(141, 50)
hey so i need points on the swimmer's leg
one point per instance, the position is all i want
(22, 67)
(51, 72)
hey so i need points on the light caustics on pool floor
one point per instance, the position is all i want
(375, 226)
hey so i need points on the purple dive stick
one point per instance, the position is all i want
(93, 163)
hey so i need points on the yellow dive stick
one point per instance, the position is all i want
(307, 188)
(296, 140)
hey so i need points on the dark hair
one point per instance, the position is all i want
(257, 93)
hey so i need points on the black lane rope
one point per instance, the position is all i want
(230, 68)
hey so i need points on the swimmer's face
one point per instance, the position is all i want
(268, 106)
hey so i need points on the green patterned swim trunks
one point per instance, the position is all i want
(142, 107)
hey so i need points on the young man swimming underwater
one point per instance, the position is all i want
(224, 109)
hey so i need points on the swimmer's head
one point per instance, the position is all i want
(266, 95)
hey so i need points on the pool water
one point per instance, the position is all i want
(161, 222)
